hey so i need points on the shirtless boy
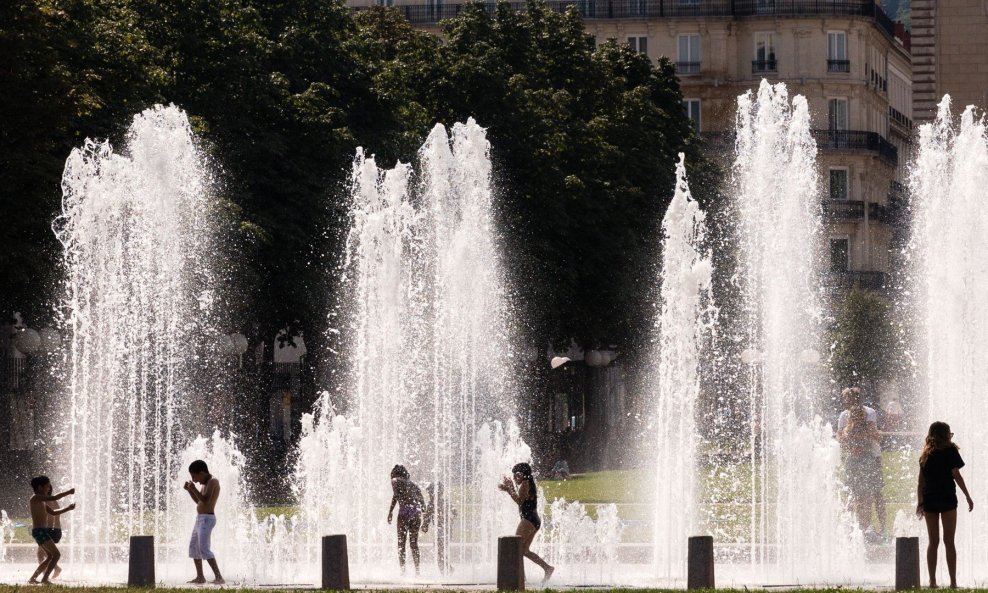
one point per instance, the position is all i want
(44, 532)
(205, 499)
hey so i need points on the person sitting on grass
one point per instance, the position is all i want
(42, 530)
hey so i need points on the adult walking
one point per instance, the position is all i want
(939, 474)
(522, 490)
(862, 456)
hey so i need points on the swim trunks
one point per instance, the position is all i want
(56, 534)
(44, 534)
(199, 544)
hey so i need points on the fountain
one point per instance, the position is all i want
(686, 318)
(430, 388)
(139, 296)
(950, 240)
(753, 504)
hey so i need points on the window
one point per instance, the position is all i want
(838, 255)
(688, 59)
(837, 115)
(639, 43)
(837, 52)
(838, 184)
(766, 6)
(692, 108)
(764, 53)
(587, 8)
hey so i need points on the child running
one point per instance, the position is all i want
(939, 469)
(43, 530)
(205, 499)
(525, 495)
(411, 504)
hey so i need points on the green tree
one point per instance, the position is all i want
(864, 339)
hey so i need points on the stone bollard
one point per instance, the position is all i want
(906, 563)
(140, 570)
(335, 564)
(700, 563)
(510, 564)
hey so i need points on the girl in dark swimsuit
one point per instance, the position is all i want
(939, 469)
(522, 490)
(410, 503)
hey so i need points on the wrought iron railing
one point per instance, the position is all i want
(763, 66)
(684, 68)
(840, 140)
(429, 13)
(838, 65)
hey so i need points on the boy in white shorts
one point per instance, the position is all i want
(205, 499)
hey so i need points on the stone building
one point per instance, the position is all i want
(950, 40)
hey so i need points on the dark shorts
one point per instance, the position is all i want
(940, 505)
(863, 475)
(45, 534)
(56, 534)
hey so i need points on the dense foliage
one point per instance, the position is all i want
(282, 92)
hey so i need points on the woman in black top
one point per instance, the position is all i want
(939, 469)
(526, 497)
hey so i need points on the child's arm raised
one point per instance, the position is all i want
(55, 497)
(191, 489)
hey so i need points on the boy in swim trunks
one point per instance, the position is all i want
(205, 499)
(42, 531)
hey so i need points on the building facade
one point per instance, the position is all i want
(950, 40)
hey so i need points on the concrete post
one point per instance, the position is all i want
(510, 564)
(335, 564)
(906, 563)
(140, 571)
(700, 562)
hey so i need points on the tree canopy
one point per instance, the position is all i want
(282, 92)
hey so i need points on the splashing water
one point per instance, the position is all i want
(793, 456)
(429, 390)
(136, 229)
(685, 319)
(950, 243)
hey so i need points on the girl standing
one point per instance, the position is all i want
(411, 504)
(939, 470)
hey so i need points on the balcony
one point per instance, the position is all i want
(867, 280)
(847, 140)
(899, 118)
(759, 66)
(426, 13)
(839, 66)
(687, 68)
(855, 210)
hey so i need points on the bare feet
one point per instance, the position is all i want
(33, 582)
(548, 574)
(219, 581)
(197, 581)
(56, 572)
(933, 585)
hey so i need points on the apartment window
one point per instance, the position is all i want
(639, 43)
(839, 250)
(692, 108)
(688, 58)
(837, 52)
(764, 53)
(837, 115)
(765, 6)
(587, 8)
(838, 184)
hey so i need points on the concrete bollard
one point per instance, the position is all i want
(700, 562)
(906, 563)
(140, 570)
(510, 564)
(335, 563)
